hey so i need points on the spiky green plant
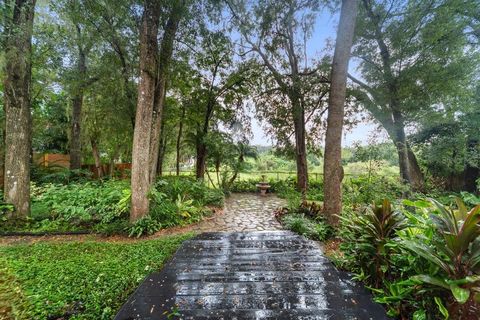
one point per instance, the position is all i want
(368, 234)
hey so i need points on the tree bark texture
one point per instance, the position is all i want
(201, 151)
(165, 58)
(201, 147)
(17, 100)
(300, 144)
(410, 171)
(140, 180)
(332, 169)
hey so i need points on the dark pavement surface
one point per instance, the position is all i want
(250, 275)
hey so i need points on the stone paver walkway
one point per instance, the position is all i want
(250, 275)
(245, 212)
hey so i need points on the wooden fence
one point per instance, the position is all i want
(52, 160)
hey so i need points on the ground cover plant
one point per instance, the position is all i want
(103, 206)
(306, 221)
(76, 280)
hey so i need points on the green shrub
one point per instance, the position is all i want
(166, 212)
(144, 226)
(363, 190)
(213, 197)
(470, 199)
(316, 230)
(77, 202)
(244, 186)
(116, 227)
(104, 206)
(190, 189)
(422, 261)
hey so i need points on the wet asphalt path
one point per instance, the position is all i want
(250, 275)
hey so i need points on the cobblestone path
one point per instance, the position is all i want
(245, 212)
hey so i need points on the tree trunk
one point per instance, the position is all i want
(140, 180)
(111, 168)
(217, 171)
(201, 146)
(409, 169)
(156, 133)
(161, 156)
(96, 157)
(77, 103)
(416, 174)
(165, 57)
(401, 145)
(393, 122)
(75, 140)
(300, 145)
(201, 150)
(179, 141)
(332, 169)
(17, 100)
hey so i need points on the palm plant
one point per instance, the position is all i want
(454, 252)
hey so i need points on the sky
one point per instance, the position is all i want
(324, 32)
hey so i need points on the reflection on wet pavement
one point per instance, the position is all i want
(250, 275)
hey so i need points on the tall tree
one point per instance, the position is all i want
(448, 141)
(77, 103)
(332, 168)
(277, 31)
(18, 122)
(220, 93)
(140, 180)
(406, 50)
(74, 15)
(154, 67)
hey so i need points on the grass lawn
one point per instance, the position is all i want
(90, 280)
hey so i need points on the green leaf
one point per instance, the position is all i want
(431, 280)
(407, 202)
(419, 315)
(441, 307)
(460, 294)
